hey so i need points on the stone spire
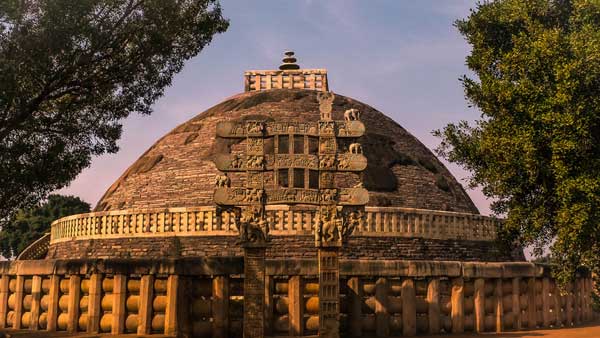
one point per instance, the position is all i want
(289, 61)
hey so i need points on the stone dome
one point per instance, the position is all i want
(178, 170)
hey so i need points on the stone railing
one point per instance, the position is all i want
(203, 297)
(284, 220)
(314, 79)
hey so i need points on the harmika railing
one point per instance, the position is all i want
(283, 219)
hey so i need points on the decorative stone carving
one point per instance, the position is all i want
(237, 162)
(327, 145)
(222, 181)
(254, 196)
(327, 227)
(327, 162)
(255, 162)
(253, 226)
(333, 228)
(325, 103)
(355, 148)
(352, 115)
(352, 128)
(255, 128)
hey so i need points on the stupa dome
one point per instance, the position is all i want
(178, 170)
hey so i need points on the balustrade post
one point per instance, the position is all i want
(53, 303)
(4, 293)
(516, 302)
(36, 295)
(382, 317)
(457, 299)
(296, 306)
(479, 304)
(433, 312)
(355, 316)
(73, 305)
(94, 303)
(409, 308)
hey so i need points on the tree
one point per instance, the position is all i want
(71, 71)
(30, 224)
(536, 147)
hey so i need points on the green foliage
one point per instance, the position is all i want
(536, 148)
(70, 71)
(30, 224)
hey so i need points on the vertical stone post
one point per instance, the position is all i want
(145, 310)
(269, 288)
(296, 306)
(433, 298)
(516, 303)
(94, 306)
(254, 291)
(458, 311)
(4, 293)
(498, 295)
(569, 304)
(220, 307)
(355, 316)
(18, 302)
(53, 302)
(479, 304)
(577, 294)
(36, 295)
(382, 316)
(531, 307)
(409, 308)
(546, 302)
(329, 291)
(119, 299)
(172, 305)
(557, 315)
(73, 306)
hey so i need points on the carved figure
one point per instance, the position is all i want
(255, 161)
(325, 102)
(355, 148)
(327, 225)
(327, 162)
(352, 115)
(254, 195)
(352, 220)
(255, 127)
(237, 162)
(222, 181)
(254, 227)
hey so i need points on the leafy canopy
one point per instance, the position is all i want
(30, 224)
(536, 148)
(70, 71)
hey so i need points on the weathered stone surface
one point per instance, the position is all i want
(401, 170)
(382, 248)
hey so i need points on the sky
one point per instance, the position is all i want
(403, 57)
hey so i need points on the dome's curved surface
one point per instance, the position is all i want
(178, 170)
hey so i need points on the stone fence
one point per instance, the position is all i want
(204, 297)
(283, 220)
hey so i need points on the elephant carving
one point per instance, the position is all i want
(355, 148)
(222, 181)
(352, 115)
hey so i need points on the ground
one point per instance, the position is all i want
(588, 331)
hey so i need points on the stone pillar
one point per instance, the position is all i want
(220, 306)
(172, 305)
(498, 295)
(73, 306)
(3, 300)
(355, 298)
(433, 298)
(382, 317)
(479, 304)
(557, 315)
(531, 307)
(269, 288)
(94, 305)
(254, 291)
(409, 308)
(53, 302)
(18, 302)
(516, 302)
(118, 309)
(569, 304)
(546, 302)
(145, 310)
(329, 292)
(577, 309)
(296, 306)
(457, 299)
(36, 295)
